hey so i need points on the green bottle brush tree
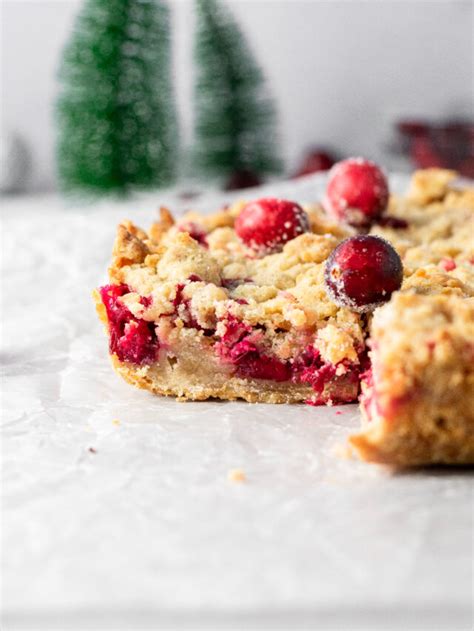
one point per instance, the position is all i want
(116, 117)
(235, 118)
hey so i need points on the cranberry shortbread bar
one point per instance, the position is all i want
(270, 302)
(191, 314)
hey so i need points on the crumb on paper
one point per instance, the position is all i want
(115, 421)
(236, 475)
(338, 412)
(92, 450)
(344, 451)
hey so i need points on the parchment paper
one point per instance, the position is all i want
(117, 510)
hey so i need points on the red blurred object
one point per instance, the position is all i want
(242, 179)
(466, 167)
(413, 127)
(424, 154)
(445, 144)
(315, 161)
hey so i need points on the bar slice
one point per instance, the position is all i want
(191, 314)
(417, 399)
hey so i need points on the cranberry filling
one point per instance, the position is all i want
(131, 339)
(135, 341)
(311, 369)
(182, 306)
(371, 404)
(138, 343)
(252, 363)
(146, 301)
(367, 398)
(237, 346)
(235, 330)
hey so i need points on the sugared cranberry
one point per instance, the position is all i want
(265, 225)
(131, 339)
(362, 272)
(357, 192)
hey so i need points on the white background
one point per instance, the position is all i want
(340, 71)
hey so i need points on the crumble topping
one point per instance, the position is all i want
(285, 291)
(400, 329)
(236, 475)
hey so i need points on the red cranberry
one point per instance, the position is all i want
(362, 272)
(265, 225)
(357, 192)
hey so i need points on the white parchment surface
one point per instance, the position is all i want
(117, 511)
